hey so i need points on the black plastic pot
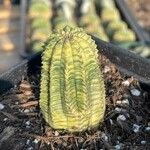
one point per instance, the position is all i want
(142, 35)
(127, 62)
(14, 75)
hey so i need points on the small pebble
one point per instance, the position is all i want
(16, 103)
(30, 148)
(35, 141)
(126, 83)
(143, 142)
(2, 106)
(56, 133)
(111, 121)
(104, 136)
(28, 127)
(135, 92)
(125, 101)
(5, 119)
(147, 129)
(118, 109)
(26, 111)
(118, 102)
(106, 69)
(128, 115)
(21, 110)
(27, 123)
(118, 147)
(28, 93)
(121, 118)
(136, 128)
(28, 142)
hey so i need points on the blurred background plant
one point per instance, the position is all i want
(100, 18)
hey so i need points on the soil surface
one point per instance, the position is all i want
(126, 123)
(141, 9)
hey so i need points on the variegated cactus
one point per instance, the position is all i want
(72, 93)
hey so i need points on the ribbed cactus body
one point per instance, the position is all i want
(72, 89)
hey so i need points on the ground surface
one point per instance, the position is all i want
(126, 124)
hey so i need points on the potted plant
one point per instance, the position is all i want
(126, 101)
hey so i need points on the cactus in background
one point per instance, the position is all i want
(142, 49)
(124, 36)
(107, 3)
(41, 35)
(115, 26)
(61, 22)
(40, 27)
(89, 19)
(72, 93)
(65, 8)
(88, 7)
(39, 23)
(108, 15)
(145, 51)
(40, 8)
(64, 14)
(91, 24)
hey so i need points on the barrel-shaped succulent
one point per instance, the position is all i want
(72, 93)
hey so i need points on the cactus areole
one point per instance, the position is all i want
(72, 95)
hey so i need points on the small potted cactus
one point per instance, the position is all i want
(75, 97)
(79, 92)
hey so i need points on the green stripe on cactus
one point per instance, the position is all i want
(72, 93)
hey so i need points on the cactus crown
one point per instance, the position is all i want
(72, 93)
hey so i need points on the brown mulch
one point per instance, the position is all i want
(126, 124)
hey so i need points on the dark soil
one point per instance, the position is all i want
(141, 9)
(126, 124)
